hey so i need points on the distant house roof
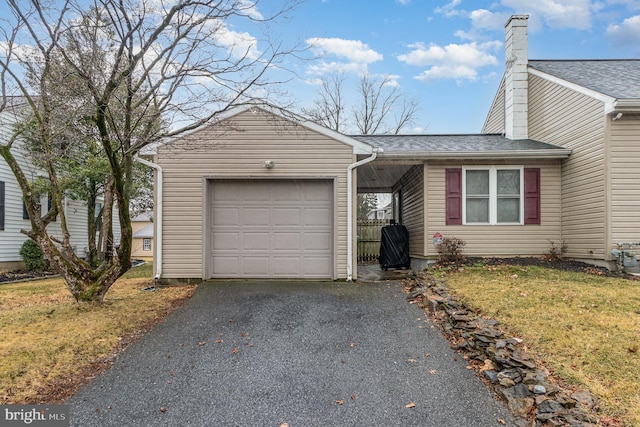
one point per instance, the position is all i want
(145, 232)
(617, 78)
(458, 145)
(143, 217)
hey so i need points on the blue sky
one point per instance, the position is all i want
(449, 55)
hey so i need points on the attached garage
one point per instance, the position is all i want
(260, 193)
(268, 228)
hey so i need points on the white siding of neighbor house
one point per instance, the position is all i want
(495, 240)
(11, 239)
(624, 143)
(411, 188)
(564, 117)
(495, 119)
(239, 151)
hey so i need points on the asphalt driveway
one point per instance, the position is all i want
(306, 354)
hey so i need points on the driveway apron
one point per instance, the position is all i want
(302, 353)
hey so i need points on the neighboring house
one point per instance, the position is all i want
(142, 242)
(264, 193)
(13, 215)
(385, 212)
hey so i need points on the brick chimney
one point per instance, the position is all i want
(516, 78)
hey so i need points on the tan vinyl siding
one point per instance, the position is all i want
(564, 117)
(239, 151)
(624, 142)
(411, 188)
(497, 240)
(495, 119)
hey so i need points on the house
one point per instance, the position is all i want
(384, 212)
(142, 241)
(13, 215)
(593, 108)
(265, 193)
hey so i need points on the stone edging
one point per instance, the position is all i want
(533, 399)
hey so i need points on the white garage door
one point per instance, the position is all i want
(274, 228)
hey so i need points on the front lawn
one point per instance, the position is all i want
(584, 327)
(50, 345)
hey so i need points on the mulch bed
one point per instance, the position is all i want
(565, 264)
(15, 276)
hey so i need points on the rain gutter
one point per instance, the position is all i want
(157, 237)
(374, 154)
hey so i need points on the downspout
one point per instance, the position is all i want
(158, 219)
(374, 154)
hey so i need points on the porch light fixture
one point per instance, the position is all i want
(268, 164)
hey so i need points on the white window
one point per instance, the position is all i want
(146, 244)
(492, 195)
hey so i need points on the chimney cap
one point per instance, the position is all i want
(518, 17)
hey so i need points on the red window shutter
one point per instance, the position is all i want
(454, 196)
(532, 196)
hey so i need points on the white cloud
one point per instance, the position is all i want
(238, 44)
(337, 67)
(628, 32)
(353, 55)
(449, 10)
(454, 61)
(250, 9)
(484, 19)
(556, 13)
(351, 50)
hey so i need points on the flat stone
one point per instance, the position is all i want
(510, 373)
(550, 407)
(506, 382)
(501, 344)
(521, 406)
(491, 376)
(538, 389)
(522, 361)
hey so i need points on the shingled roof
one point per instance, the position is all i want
(460, 145)
(617, 78)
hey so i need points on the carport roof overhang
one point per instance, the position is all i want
(401, 152)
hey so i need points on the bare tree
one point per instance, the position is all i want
(328, 109)
(379, 100)
(380, 107)
(136, 66)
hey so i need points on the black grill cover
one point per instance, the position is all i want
(394, 247)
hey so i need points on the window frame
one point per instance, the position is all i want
(493, 194)
(146, 243)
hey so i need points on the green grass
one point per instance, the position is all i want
(584, 327)
(50, 344)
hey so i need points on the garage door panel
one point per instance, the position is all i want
(317, 242)
(255, 241)
(275, 228)
(226, 266)
(283, 241)
(318, 192)
(314, 266)
(255, 266)
(225, 216)
(255, 217)
(286, 266)
(318, 217)
(226, 241)
(286, 217)
(288, 192)
(254, 193)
